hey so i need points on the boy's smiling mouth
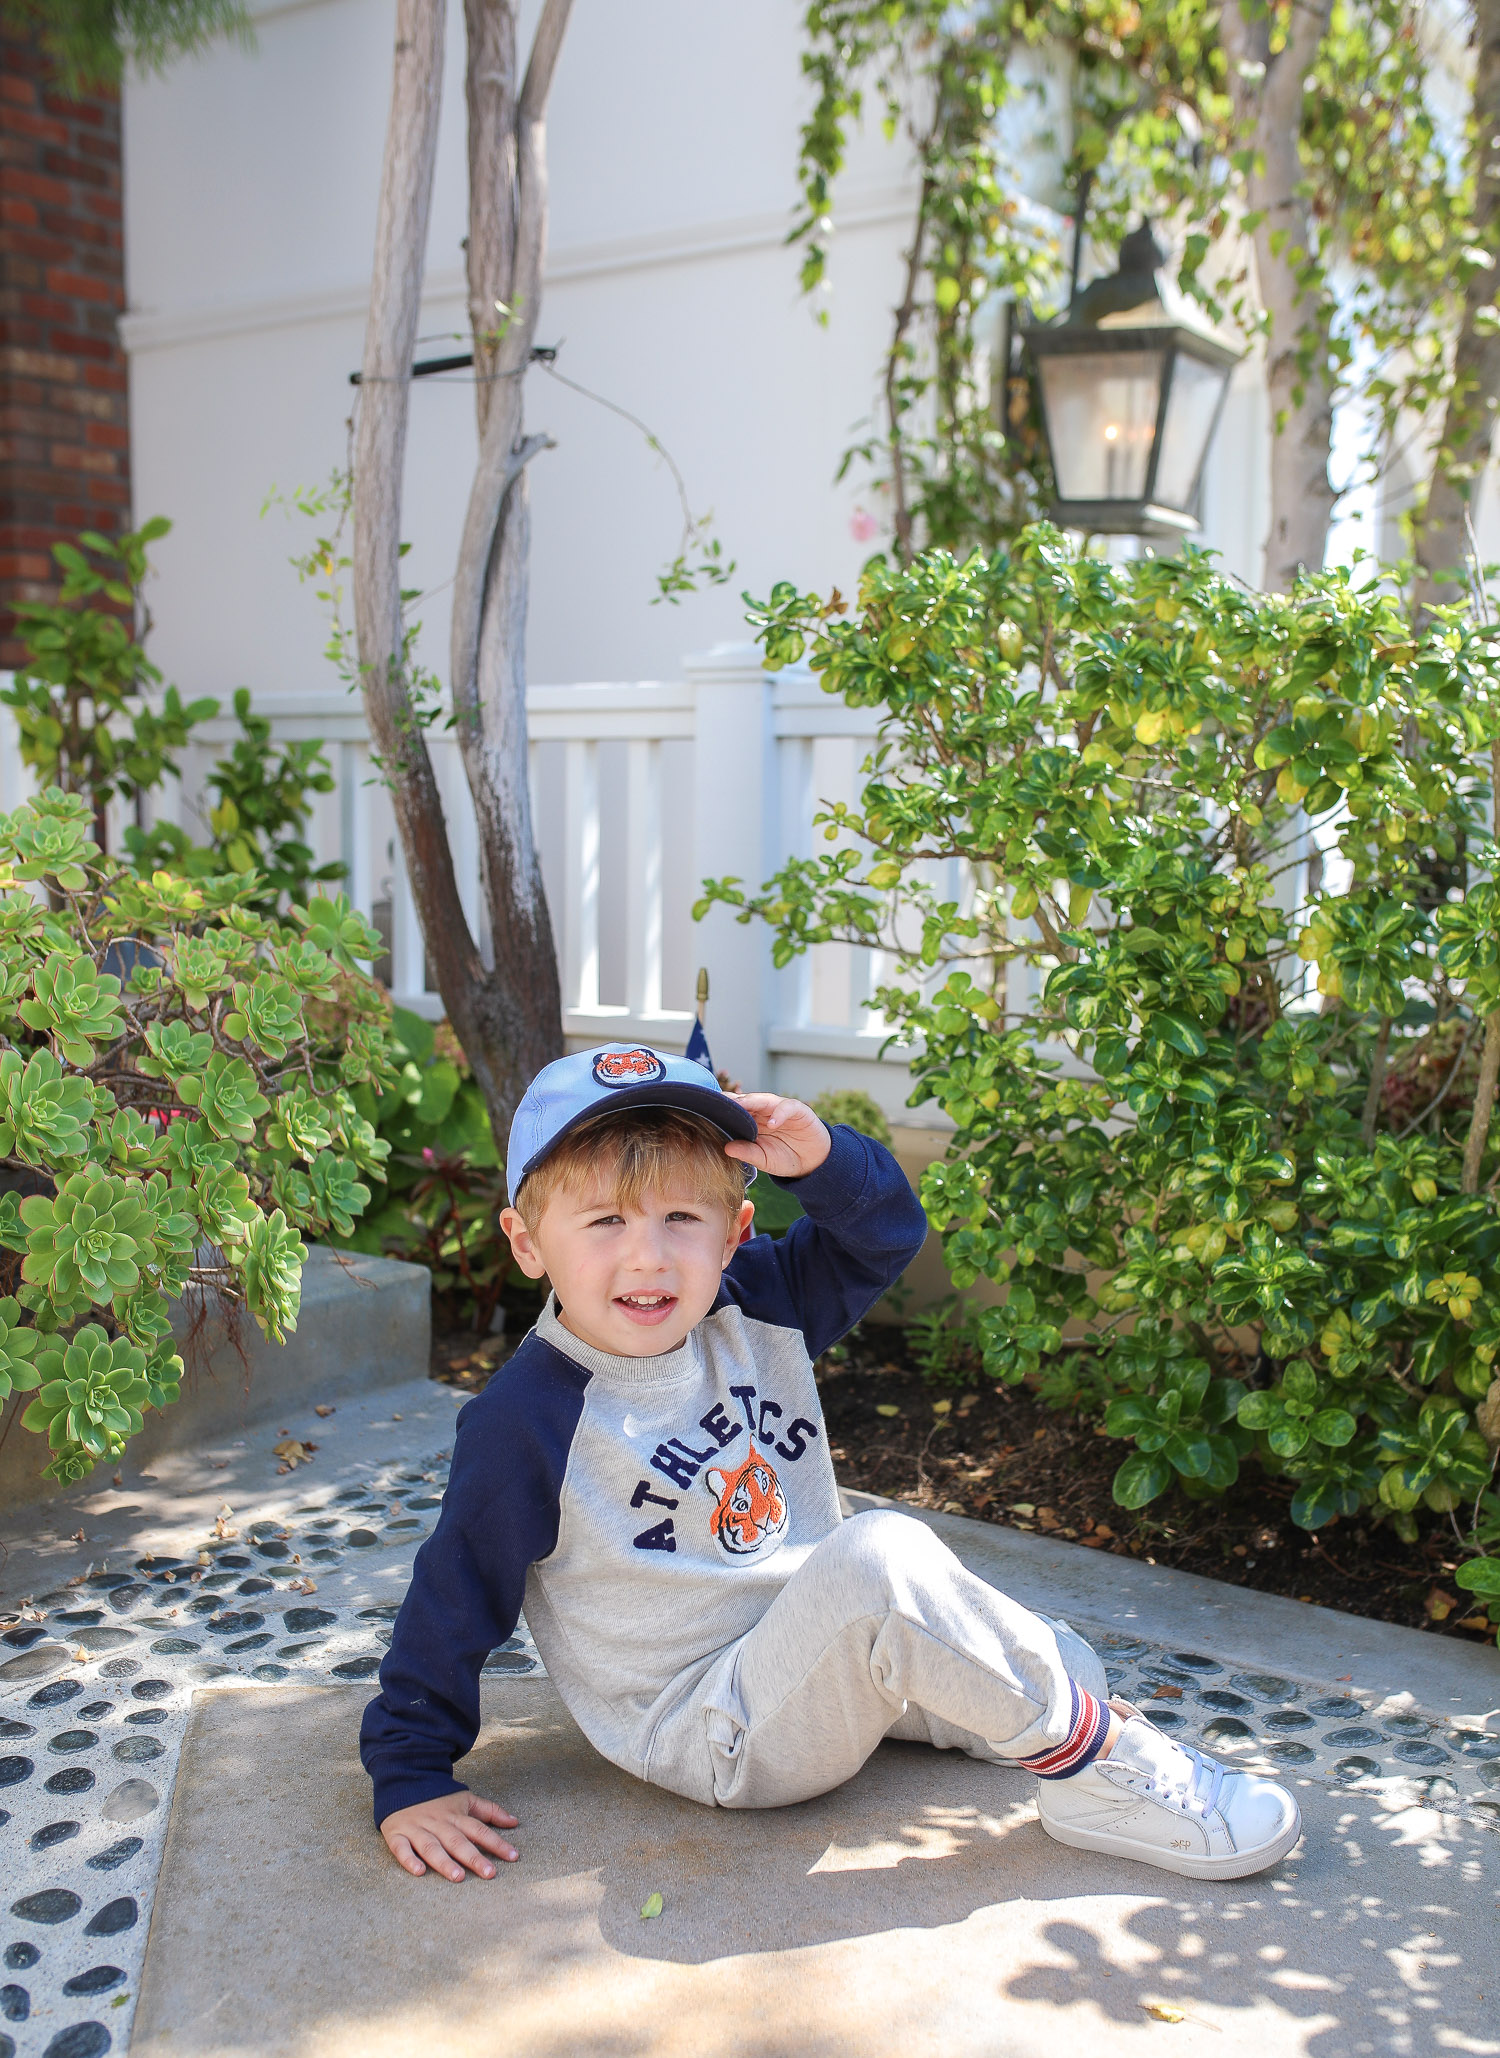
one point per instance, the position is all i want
(646, 1307)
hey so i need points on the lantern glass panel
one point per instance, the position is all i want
(1197, 389)
(1101, 417)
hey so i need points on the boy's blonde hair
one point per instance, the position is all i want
(633, 1153)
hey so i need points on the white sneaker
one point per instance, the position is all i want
(1157, 1801)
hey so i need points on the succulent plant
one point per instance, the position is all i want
(44, 1114)
(302, 1124)
(268, 1014)
(74, 1004)
(201, 970)
(213, 1153)
(18, 1344)
(132, 1143)
(174, 1048)
(89, 1241)
(338, 928)
(91, 1394)
(310, 971)
(272, 1258)
(227, 1097)
(225, 1209)
(49, 839)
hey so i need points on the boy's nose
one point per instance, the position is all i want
(646, 1249)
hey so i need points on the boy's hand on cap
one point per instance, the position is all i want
(448, 1834)
(789, 1138)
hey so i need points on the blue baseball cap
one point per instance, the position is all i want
(574, 1089)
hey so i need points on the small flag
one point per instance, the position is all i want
(697, 1047)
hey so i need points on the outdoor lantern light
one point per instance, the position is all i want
(1131, 391)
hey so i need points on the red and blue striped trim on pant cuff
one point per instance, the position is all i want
(1083, 1743)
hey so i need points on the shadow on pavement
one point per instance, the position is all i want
(918, 1910)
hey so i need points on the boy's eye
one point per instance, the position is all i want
(682, 1215)
(605, 1221)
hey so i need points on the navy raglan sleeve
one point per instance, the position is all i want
(862, 1226)
(499, 1516)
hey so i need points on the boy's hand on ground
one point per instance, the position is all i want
(789, 1140)
(448, 1834)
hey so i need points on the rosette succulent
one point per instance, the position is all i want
(164, 1120)
(45, 1114)
(74, 1004)
(227, 1097)
(90, 1241)
(267, 1014)
(91, 1396)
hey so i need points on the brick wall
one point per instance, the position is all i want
(64, 439)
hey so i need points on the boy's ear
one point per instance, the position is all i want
(522, 1248)
(741, 1229)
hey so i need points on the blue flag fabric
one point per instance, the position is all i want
(697, 1048)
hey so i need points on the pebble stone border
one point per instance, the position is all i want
(96, 1681)
(94, 1700)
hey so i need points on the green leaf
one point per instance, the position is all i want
(1140, 1479)
(651, 1907)
(1480, 1576)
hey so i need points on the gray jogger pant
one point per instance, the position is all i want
(882, 1632)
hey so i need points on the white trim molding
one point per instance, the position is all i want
(168, 328)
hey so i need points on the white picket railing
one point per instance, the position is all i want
(641, 790)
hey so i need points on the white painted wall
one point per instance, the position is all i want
(250, 189)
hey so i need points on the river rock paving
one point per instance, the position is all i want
(97, 1678)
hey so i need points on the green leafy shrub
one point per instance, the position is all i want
(258, 820)
(445, 1182)
(80, 697)
(179, 1074)
(1180, 1065)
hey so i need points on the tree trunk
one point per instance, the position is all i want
(506, 253)
(379, 455)
(1463, 446)
(508, 1016)
(1267, 90)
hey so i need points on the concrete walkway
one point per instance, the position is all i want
(918, 1910)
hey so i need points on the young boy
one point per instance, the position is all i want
(649, 1474)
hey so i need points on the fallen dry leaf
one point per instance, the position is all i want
(293, 1451)
(1479, 1622)
(79, 1537)
(1163, 2011)
(1167, 1693)
(322, 1409)
(1439, 1605)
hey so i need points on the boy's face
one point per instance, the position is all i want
(630, 1280)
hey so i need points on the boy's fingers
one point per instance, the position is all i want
(428, 1846)
(466, 1853)
(490, 1840)
(401, 1850)
(491, 1811)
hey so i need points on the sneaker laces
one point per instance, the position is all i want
(1188, 1782)
(1180, 1778)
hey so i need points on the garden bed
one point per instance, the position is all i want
(999, 1455)
(996, 1453)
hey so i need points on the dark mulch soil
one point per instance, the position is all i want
(996, 1453)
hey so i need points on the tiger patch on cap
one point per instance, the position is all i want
(628, 1068)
